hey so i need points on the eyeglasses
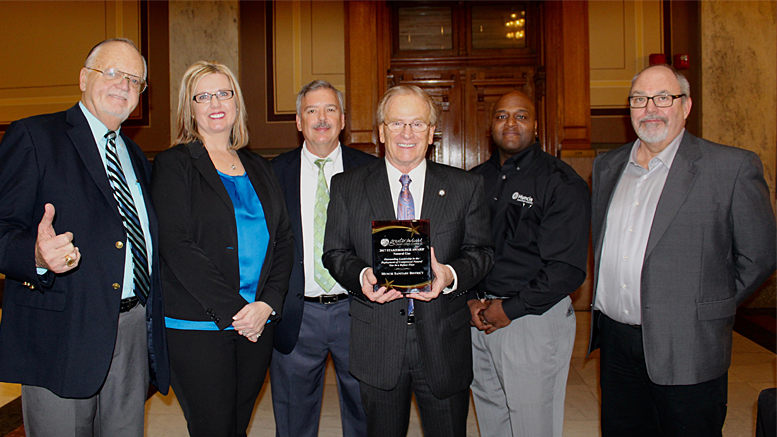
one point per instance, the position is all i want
(416, 126)
(113, 75)
(220, 95)
(662, 101)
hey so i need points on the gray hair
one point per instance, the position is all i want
(407, 90)
(93, 53)
(315, 86)
(685, 87)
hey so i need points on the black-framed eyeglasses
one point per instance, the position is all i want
(416, 126)
(220, 95)
(661, 101)
(113, 75)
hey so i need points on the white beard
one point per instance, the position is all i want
(655, 134)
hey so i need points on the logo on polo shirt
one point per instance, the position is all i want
(525, 200)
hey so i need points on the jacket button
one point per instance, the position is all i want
(401, 312)
(116, 286)
(218, 320)
(119, 244)
(299, 296)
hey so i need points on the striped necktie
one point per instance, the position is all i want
(406, 211)
(320, 273)
(130, 218)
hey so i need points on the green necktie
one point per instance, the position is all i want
(323, 278)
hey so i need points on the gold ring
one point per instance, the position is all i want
(69, 261)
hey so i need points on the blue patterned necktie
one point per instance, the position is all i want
(130, 218)
(406, 211)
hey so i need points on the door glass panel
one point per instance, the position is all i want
(425, 28)
(499, 26)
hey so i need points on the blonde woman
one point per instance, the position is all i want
(227, 251)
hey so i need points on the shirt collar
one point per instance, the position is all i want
(521, 160)
(97, 127)
(394, 174)
(665, 157)
(311, 158)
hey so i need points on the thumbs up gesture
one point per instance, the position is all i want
(54, 252)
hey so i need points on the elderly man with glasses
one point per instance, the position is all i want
(82, 327)
(683, 232)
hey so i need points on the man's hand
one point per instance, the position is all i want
(494, 316)
(54, 252)
(251, 320)
(381, 295)
(476, 308)
(443, 277)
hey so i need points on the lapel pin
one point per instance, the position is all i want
(441, 193)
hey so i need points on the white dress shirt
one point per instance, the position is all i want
(308, 183)
(629, 220)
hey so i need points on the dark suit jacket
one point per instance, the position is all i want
(198, 241)
(60, 334)
(287, 169)
(711, 245)
(454, 202)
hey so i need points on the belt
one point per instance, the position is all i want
(128, 304)
(327, 299)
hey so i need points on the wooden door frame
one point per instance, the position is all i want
(565, 103)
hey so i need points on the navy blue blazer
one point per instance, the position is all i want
(286, 167)
(60, 333)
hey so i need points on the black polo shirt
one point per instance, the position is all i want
(540, 214)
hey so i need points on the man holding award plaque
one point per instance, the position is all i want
(402, 346)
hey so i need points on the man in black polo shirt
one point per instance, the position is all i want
(522, 313)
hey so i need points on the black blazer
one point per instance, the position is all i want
(60, 334)
(287, 168)
(712, 243)
(455, 203)
(198, 242)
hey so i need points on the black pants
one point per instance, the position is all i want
(388, 411)
(217, 376)
(632, 405)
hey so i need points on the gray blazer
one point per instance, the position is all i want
(454, 202)
(711, 245)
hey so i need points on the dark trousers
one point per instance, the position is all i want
(632, 405)
(388, 411)
(217, 376)
(297, 379)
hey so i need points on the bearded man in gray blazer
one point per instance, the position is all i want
(396, 349)
(684, 232)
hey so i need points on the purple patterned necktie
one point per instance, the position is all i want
(406, 211)
(405, 207)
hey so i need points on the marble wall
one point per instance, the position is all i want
(739, 77)
(201, 30)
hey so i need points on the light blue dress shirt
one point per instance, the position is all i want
(98, 131)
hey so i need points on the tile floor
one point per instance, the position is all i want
(752, 369)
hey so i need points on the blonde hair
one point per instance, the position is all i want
(186, 125)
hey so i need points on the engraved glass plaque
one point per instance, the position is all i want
(401, 256)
